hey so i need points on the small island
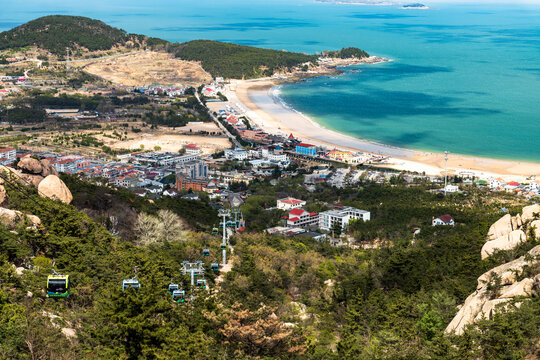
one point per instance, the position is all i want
(416, 6)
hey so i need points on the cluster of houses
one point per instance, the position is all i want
(529, 190)
(262, 156)
(302, 222)
(247, 133)
(161, 90)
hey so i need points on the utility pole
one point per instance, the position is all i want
(68, 65)
(445, 171)
(224, 214)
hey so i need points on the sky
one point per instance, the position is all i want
(487, 2)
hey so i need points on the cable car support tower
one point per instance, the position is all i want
(224, 214)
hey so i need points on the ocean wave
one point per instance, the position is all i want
(275, 94)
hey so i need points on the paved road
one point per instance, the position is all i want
(223, 128)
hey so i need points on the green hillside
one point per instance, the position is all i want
(56, 32)
(238, 61)
(285, 298)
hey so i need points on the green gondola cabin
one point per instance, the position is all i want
(58, 286)
(201, 283)
(179, 296)
(173, 288)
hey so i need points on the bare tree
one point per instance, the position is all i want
(166, 226)
(147, 229)
(171, 226)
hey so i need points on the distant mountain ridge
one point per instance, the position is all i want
(56, 32)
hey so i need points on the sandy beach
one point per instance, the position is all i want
(261, 107)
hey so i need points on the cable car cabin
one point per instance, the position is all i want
(201, 283)
(214, 230)
(179, 296)
(223, 247)
(173, 288)
(58, 286)
(131, 283)
(206, 252)
(215, 267)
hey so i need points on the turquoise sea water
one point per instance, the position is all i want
(464, 78)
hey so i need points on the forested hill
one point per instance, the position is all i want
(348, 52)
(238, 61)
(56, 32)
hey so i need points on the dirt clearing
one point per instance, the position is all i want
(148, 68)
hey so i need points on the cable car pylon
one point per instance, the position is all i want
(224, 214)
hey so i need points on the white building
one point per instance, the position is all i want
(7, 155)
(186, 158)
(302, 218)
(124, 158)
(443, 220)
(264, 151)
(236, 154)
(451, 188)
(290, 203)
(65, 164)
(496, 183)
(278, 157)
(342, 216)
(192, 149)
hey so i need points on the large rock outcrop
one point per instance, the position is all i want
(48, 169)
(529, 212)
(31, 179)
(509, 232)
(3, 193)
(54, 188)
(505, 242)
(535, 225)
(13, 218)
(485, 300)
(30, 165)
(501, 227)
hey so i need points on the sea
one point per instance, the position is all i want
(463, 77)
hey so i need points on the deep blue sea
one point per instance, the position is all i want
(463, 77)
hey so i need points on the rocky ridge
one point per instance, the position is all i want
(509, 232)
(509, 282)
(519, 278)
(39, 174)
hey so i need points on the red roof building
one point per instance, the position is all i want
(290, 203)
(443, 220)
(302, 218)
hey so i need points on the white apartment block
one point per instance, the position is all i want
(236, 154)
(343, 216)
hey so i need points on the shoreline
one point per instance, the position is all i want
(273, 117)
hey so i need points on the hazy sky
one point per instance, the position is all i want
(537, 2)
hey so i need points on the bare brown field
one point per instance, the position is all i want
(147, 68)
(170, 142)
